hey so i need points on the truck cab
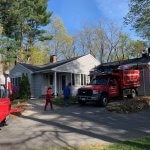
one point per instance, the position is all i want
(101, 89)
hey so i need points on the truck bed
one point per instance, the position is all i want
(128, 78)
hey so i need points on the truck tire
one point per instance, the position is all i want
(133, 94)
(82, 103)
(104, 100)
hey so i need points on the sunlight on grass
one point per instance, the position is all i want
(140, 144)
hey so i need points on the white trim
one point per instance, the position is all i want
(71, 79)
(55, 83)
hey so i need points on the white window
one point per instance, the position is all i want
(77, 79)
(85, 79)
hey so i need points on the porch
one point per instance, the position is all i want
(58, 80)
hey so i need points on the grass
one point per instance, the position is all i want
(59, 101)
(140, 144)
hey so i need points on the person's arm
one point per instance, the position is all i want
(10, 88)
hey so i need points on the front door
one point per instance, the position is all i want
(113, 88)
(63, 81)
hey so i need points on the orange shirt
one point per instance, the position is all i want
(49, 95)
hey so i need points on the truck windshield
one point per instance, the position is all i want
(99, 82)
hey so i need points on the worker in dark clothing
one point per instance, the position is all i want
(48, 98)
(66, 93)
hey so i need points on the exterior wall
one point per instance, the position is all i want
(144, 89)
(37, 85)
(82, 65)
(18, 70)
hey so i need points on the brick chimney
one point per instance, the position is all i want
(53, 59)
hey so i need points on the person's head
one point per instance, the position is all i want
(49, 88)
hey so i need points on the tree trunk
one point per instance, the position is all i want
(21, 36)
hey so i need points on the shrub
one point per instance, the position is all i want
(24, 87)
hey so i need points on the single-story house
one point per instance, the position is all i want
(142, 63)
(56, 74)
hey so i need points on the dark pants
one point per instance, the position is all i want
(66, 100)
(46, 104)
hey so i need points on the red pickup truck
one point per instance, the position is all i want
(104, 87)
(5, 108)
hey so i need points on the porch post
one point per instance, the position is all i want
(71, 79)
(55, 83)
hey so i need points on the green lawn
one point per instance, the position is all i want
(140, 144)
(59, 101)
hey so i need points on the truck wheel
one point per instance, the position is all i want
(104, 100)
(133, 94)
(82, 103)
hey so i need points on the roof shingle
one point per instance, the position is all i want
(48, 66)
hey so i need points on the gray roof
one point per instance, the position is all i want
(48, 66)
(138, 61)
(30, 67)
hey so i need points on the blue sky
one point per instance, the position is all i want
(76, 13)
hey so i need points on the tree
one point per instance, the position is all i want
(136, 48)
(22, 20)
(86, 40)
(24, 86)
(139, 16)
(100, 41)
(38, 57)
(123, 47)
(35, 56)
(61, 44)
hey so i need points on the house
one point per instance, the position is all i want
(57, 74)
(142, 63)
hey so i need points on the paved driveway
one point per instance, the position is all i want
(71, 126)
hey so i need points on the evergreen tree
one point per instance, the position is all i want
(24, 87)
(22, 19)
(139, 16)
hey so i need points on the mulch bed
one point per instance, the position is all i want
(130, 105)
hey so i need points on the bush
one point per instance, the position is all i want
(24, 87)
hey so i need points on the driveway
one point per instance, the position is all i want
(71, 126)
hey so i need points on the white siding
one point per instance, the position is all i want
(18, 70)
(82, 65)
(37, 84)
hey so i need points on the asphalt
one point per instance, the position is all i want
(71, 126)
